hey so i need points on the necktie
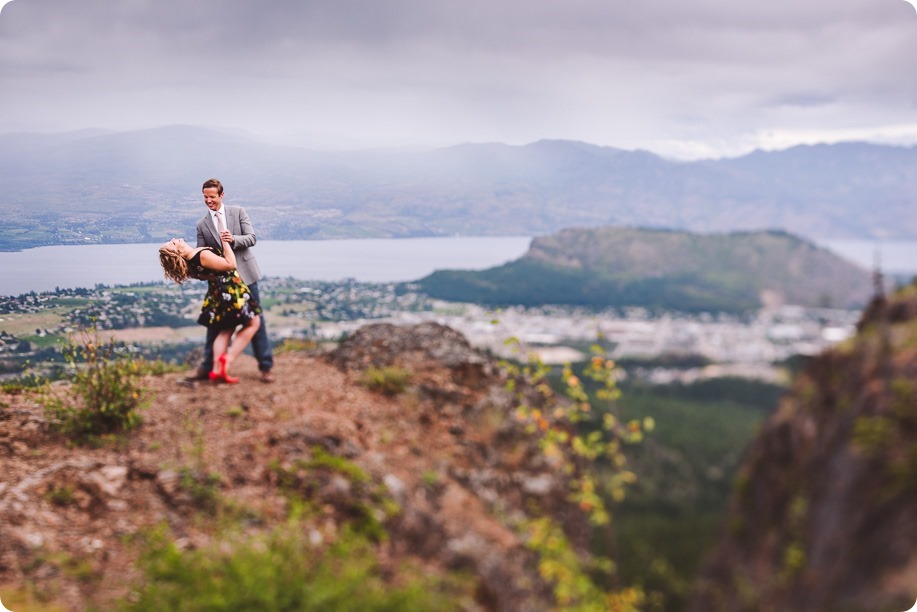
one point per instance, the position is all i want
(220, 225)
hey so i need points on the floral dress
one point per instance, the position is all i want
(228, 302)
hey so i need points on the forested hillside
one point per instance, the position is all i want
(619, 267)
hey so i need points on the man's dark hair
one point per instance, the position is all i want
(213, 183)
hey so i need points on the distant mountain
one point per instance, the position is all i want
(95, 186)
(664, 269)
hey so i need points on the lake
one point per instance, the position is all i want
(894, 256)
(370, 260)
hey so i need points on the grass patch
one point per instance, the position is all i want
(42, 342)
(202, 487)
(388, 380)
(363, 504)
(61, 496)
(19, 599)
(158, 367)
(295, 345)
(24, 324)
(280, 570)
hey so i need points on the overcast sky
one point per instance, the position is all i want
(683, 78)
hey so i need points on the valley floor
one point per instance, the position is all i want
(685, 348)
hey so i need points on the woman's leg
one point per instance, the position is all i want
(241, 340)
(220, 344)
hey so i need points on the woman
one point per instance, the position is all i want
(228, 302)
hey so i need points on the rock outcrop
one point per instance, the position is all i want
(824, 516)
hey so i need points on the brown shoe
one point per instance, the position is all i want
(266, 376)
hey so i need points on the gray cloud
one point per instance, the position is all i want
(701, 78)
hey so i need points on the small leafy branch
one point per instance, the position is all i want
(560, 565)
(554, 421)
(105, 395)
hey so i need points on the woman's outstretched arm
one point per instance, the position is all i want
(212, 261)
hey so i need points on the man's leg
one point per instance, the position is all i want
(261, 346)
(206, 366)
(207, 363)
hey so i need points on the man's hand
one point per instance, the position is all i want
(226, 236)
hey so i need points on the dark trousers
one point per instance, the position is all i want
(261, 346)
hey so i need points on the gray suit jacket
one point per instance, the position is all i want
(243, 235)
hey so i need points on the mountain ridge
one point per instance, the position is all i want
(78, 188)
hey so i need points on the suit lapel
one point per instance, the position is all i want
(208, 222)
(231, 218)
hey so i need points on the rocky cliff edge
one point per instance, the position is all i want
(460, 471)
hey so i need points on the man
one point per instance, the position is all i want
(233, 224)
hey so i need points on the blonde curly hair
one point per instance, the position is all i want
(173, 264)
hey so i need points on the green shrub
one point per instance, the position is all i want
(280, 570)
(105, 394)
(390, 380)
